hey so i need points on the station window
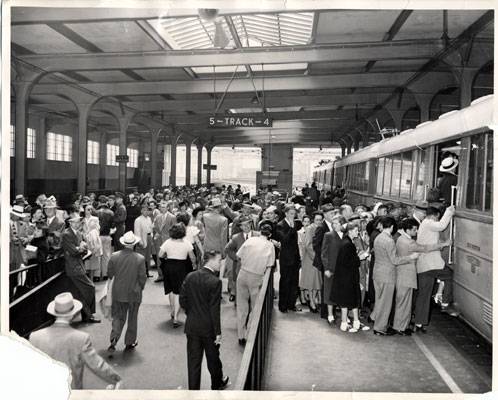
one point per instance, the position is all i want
(59, 147)
(133, 158)
(31, 143)
(92, 155)
(406, 175)
(112, 152)
(12, 141)
(479, 196)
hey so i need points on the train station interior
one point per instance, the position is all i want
(90, 85)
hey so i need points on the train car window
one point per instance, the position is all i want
(475, 188)
(387, 176)
(396, 176)
(380, 175)
(367, 176)
(406, 175)
(488, 195)
(452, 147)
(422, 167)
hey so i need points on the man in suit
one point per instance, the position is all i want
(231, 251)
(119, 220)
(71, 346)
(106, 217)
(200, 297)
(246, 215)
(143, 230)
(216, 230)
(330, 249)
(128, 270)
(74, 249)
(321, 230)
(384, 275)
(289, 260)
(55, 226)
(406, 274)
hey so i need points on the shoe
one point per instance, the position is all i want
(231, 298)
(176, 324)
(390, 331)
(313, 310)
(331, 320)
(406, 332)
(159, 280)
(345, 327)
(112, 347)
(282, 310)
(92, 320)
(224, 383)
(297, 309)
(380, 333)
(420, 329)
(104, 278)
(450, 311)
(131, 346)
(242, 342)
(438, 298)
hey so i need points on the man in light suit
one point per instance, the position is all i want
(128, 270)
(231, 251)
(71, 346)
(216, 228)
(330, 249)
(406, 274)
(384, 276)
(55, 226)
(74, 249)
(143, 230)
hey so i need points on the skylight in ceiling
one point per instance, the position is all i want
(279, 67)
(220, 69)
(190, 33)
(281, 29)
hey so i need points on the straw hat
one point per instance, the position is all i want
(129, 239)
(18, 211)
(64, 305)
(448, 164)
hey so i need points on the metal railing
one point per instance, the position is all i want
(252, 366)
(31, 289)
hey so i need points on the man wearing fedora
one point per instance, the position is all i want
(74, 249)
(216, 227)
(128, 270)
(119, 219)
(70, 346)
(55, 225)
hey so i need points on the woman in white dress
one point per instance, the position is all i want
(192, 236)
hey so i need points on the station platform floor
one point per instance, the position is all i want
(159, 362)
(306, 354)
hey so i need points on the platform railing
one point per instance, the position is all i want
(32, 287)
(252, 366)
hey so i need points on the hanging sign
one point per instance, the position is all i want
(122, 158)
(240, 121)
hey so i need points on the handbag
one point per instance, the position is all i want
(106, 301)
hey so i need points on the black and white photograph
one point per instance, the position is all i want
(259, 196)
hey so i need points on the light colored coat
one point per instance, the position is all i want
(406, 274)
(428, 234)
(386, 258)
(160, 227)
(216, 228)
(74, 348)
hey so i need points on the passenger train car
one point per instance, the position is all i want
(402, 169)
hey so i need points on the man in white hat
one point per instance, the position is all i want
(128, 270)
(55, 225)
(19, 236)
(72, 347)
(74, 249)
(448, 178)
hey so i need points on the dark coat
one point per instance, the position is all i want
(317, 245)
(289, 249)
(128, 270)
(200, 297)
(445, 183)
(346, 283)
(72, 255)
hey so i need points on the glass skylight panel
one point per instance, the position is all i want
(281, 29)
(279, 67)
(219, 69)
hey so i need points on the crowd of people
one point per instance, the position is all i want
(376, 265)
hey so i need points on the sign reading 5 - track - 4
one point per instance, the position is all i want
(240, 121)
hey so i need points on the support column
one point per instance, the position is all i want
(424, 103)
(153, 157)
(188, 148)
(83, 113)
(22, 99)
(466, 79)
(208, 162)
(172, 179)
(199, 163)
(343, 150)
(123, 146)
(102, 159)
(356, 143)
(41, 146)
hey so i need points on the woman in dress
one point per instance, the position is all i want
(346, 291)
(310, 280)
(197, 215)
(192, 236)
(175, 254)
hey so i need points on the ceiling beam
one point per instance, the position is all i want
(241, 85)
(393, 50)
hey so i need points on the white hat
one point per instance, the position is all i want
(129, 239)
(448, 164)
(216, 202)
(18, 211)
(64, 305)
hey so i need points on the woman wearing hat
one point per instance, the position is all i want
(19, 236)
(448, 178)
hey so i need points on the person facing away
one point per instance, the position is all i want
(129, 272)
(70, 346)
(200, 297)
